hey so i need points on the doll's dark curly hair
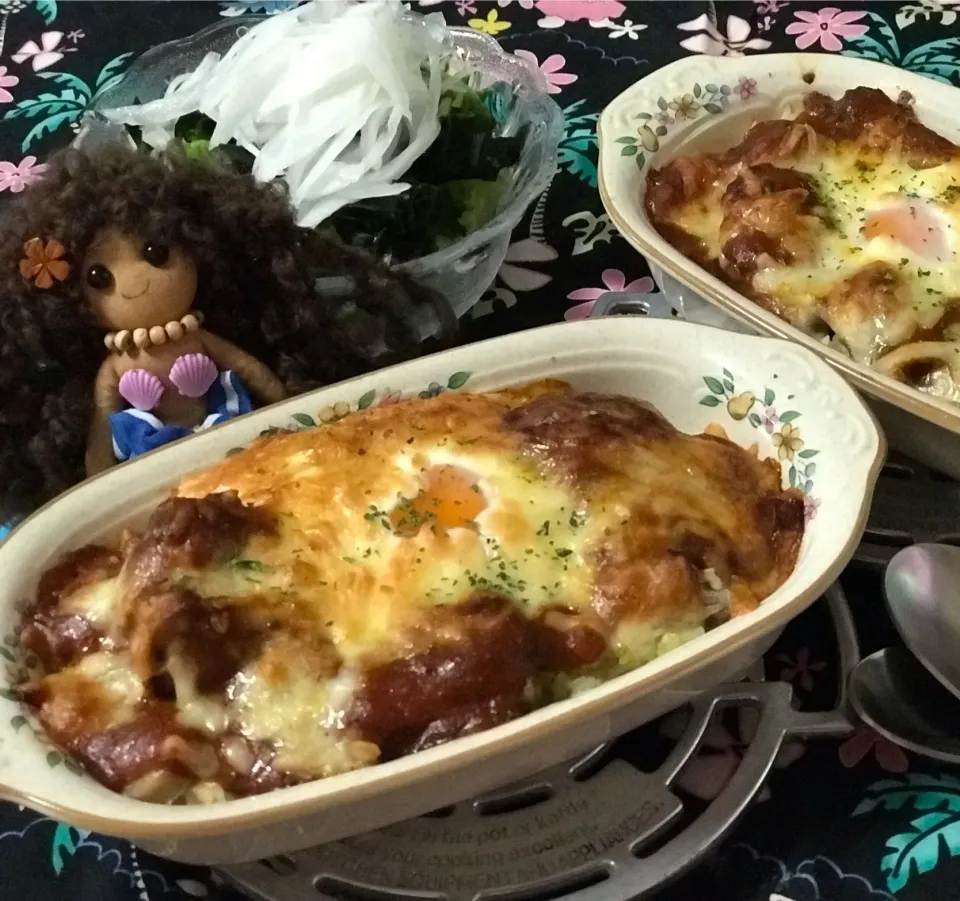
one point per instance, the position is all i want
(312, 309)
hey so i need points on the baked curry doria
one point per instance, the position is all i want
(338, 596)
(844, 221)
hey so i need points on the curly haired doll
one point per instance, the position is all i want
(142, 298)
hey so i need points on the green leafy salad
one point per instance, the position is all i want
(379, 130)
(455, 185)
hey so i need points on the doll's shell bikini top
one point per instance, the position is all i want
(191, 374)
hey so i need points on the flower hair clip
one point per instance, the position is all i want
(43, 263)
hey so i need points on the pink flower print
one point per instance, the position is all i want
(810, 507)
(388, 398)
(746, 88)
(550, 70)
(16, 178)
(769, 6)
(557, 12)
(613, 280)
(891, 758)
(6, 81)
(800, 669)
(826, 26)
(770, 420)
(46, 54)
(465, 6)
(706, 775)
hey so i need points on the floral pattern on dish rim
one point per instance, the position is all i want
(759, 410)
(18, 666)
(700, 100)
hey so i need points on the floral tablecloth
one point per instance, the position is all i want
(840, 821)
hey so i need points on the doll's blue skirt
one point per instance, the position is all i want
(136, 431)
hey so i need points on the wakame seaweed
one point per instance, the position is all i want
(455, 185)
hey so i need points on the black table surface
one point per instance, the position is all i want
(847, 820)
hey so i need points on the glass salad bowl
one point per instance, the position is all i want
(466, 268)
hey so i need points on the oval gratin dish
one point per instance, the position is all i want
(761, 391)
(707, 104)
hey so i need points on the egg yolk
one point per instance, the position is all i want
(450, 499)
(912, 226)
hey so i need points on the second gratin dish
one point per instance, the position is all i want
(811, 197)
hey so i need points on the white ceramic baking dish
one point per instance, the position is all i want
(707, 103)
(763, 391)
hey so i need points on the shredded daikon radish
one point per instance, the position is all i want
(337, 98)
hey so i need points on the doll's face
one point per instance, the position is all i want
(131, 284)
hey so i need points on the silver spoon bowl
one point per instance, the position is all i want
(922, 587)
(896, 696)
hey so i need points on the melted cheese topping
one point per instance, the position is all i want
(872, 211)
(881, 211)
(374, 527)
(299, 711)
(120, 686)
(382, 526)
(371, 562)
(94, 601)
(303, 717)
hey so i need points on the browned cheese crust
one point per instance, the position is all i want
(658, 509)
(771, 204)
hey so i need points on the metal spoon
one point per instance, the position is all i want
(922, 587)
(896, 696)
